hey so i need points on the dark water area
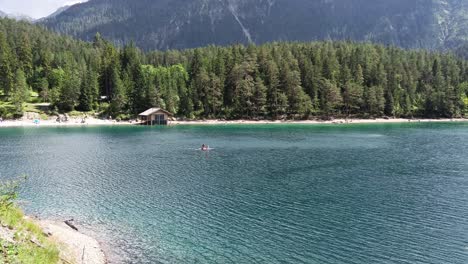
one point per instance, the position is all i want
(361, 193)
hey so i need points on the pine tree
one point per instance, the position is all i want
(374, 100)
(259, 98)
(198, 76)
(44, 90)
(118, 99)
(330, 97)
(139, 91)
(24, 54)
(389, 103)
(244, 88)
(6, 73)
(109, 62)
(89, 91)
(20, 92)
(352, 97)
(359, 76)
(154, 85)
(214, 96)
(273, 94)
(299, 102)
(70, 91)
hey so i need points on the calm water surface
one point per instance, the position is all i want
(393, 193)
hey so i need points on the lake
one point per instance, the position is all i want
(362, 193)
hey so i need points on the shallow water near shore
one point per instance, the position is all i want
(361, 193)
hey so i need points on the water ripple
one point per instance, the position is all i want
(266, 194)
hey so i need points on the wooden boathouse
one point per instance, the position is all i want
(155, 116)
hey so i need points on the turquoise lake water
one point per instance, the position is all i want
(394, 193)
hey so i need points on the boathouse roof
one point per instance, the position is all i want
(154, 110)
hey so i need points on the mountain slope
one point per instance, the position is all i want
(53, 15)
(58, 11)
(165, 24)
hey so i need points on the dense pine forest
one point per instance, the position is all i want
(271, 81)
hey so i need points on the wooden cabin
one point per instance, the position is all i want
(155, 116)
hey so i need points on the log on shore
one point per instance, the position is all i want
(71, 225)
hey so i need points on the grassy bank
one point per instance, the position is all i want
(21, 240)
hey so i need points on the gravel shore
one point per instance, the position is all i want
(74, 246)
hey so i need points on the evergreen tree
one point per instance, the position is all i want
(273, 94)
(244, 84)
(352, 97)
(24, 54)
(6, 73)
(70, 91)
(259, 98)
(330, 97)
(43, 90)
(89, 91)
(389, 103)
(118, 99)
(141, 90)
(20, 92)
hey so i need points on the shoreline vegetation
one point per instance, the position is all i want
(49, 74)
(74, 246)
(30, 240)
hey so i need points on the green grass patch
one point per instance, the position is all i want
(76, 114)
(29, 245)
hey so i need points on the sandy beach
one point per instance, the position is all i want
(72, 122)
(102, 122)
(74, 246)
(316, 122)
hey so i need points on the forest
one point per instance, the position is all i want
(271, 81)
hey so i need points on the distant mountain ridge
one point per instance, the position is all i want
(54, 14)
(174, 24)
(16, 16)
(58, 11)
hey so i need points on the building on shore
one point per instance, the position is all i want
(155, 116)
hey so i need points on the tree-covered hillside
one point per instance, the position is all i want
(175, 24)
(278, 80)
(462, 51)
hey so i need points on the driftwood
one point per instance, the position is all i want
(83, 255)
(71, 225)
(37, 243)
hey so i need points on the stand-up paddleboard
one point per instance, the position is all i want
(208, 149)
(205, 147)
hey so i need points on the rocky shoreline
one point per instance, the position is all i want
(74, 246)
